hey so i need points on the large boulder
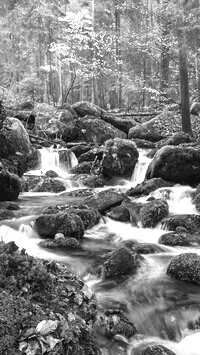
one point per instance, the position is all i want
(121, 262)
(143, 131)
(84, 108)
(49, 185)
(104, 200)
(153, 212)
(195, 108)
(91, 155)
(148, 186)
(82, 168)
(119, 158)
(10, 185)
(69, 224)
(185, 267)
(191, 222)
(179, 239)
(94, 130)
(177, 164)
(14, 138)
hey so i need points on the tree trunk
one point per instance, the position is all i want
(198, 76)
(118, 52)
(184, 88)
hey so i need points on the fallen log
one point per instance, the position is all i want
(137, 114)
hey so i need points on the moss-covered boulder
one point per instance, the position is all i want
(91, 155)
(69, 224)
(119, 158)
(119, 213)
(120, 262)
(185, 267)
(104, 200)
(157, 350)
(176, 164)
(153, 212)
(191, 222)
(147, 186)
(63, 244)
(82, 168)
(10, 185)
(49, 185)
(180, 239)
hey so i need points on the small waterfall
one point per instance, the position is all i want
(49, 159)
(140, 168)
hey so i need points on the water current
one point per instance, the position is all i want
(164, 311)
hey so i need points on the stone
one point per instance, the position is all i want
(119, 158)
(51, 174)
(82, 168)
(176, 164)
(157, 350)
(69, 224)
(49, 185)
(61, 244)
(191, 222)
(10, 185)
(185, 267)
(195, 108)
(153, 212)
(6, 214)
(84, 108)
(91, 155)
(147, 186)
(104, 200)
(121, 262)
(143, 131)
(80, 149)
(119, 213)
(179, 239)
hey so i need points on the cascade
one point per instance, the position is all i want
(161, 308)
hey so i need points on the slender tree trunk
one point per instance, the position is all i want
(198, 76)
(184, 88)
(118, 52)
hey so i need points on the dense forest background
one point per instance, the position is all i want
(118, 54)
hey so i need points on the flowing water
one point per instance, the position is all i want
(163, 310)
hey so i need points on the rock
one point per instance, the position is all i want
(84, 108)
(51, 174)
(6, 214)
(142, 143)
(197, 200)
(49, 185)
(121, 262)
(67, 158)
(119, 158)
(148, 249)
(70, 133)
(92, 180)
(178, 138)
(157, 350)
(176, 164)
(104, 200)
(82, 168)
(153, 212)
(95, 153)
(89, 216)
(119, 213)
(122, 123)
(185, 267)
(179, 239)
(190, 222)
(69, 224)
(195, 108)
(59, 236)
(14, 138)
(147, 186)
(114, 322)
(80, 149)
(61, 244)
(10, 185)
(144, 131)
(94, 130)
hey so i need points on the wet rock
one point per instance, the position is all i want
(119, 213)
(197, 200)
(29, 182)
(92, 180)
(91, 155)
(14, 139)
(82, 168)
(51, 174)
(49, 185)
(119, 158)
(185, 267)
(67, 158)
(88, 215)
(142, 143)
(69, 224)
(84, 108)
(148, 249)
(190, 222)
(153, 212)
(70, 132)
(195, 108)
(178, 138)
(33, 160)
(94, 130)
(80, 149)
(176, 164)
(10, 185)
(179, 239)
(61, 244)
(114, 322)
(144, 131)
(157, 350)
(147, 186)
(6, 214)
(121, 262)
(104, 200)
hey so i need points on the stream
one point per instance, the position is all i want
(164, 311)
